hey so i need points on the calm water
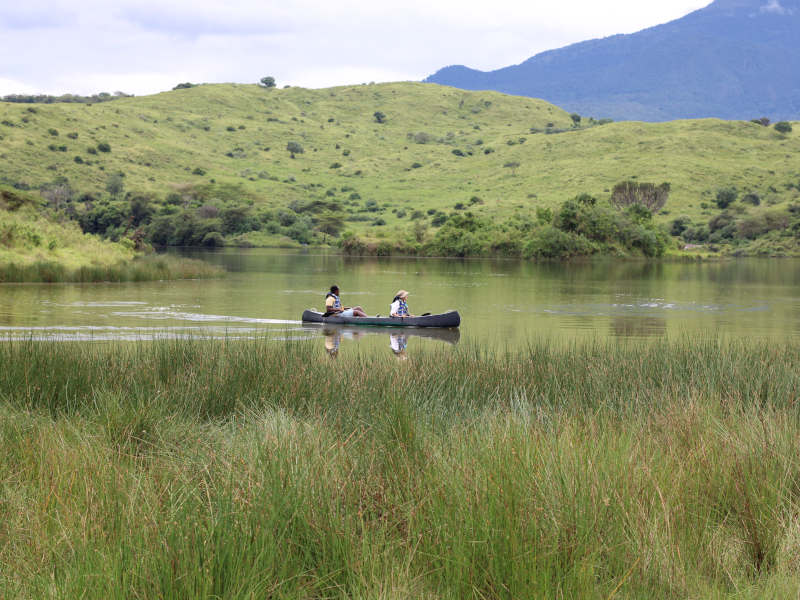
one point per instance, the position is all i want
(502, 303)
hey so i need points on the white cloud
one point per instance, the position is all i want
(141, 46)
(774, 7)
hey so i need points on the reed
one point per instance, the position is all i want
(148, 268)
(201, 469)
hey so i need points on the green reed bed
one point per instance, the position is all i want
(189, 469)
(148, 268)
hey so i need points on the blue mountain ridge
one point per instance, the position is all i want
(734, 59)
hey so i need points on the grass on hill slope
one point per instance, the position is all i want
(436, 148)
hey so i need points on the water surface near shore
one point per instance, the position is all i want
(504, 304)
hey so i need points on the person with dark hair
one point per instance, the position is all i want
(334, 308)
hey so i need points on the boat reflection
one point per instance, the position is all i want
(398, 336)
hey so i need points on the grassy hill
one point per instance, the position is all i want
(214, 150)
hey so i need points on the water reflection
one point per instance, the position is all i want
(398, 337)
(638, 326)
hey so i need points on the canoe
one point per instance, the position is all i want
(448, 319)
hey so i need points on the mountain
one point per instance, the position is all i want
(734, 59)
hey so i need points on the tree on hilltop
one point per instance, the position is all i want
(267, 82)
(783, 127)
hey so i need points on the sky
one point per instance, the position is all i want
(146, 46)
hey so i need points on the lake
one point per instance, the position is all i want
(503, 303)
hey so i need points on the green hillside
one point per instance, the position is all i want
(35, 247)
(216, 156)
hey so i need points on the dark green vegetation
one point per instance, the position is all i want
(199, 469)
(746, 51)
(37, 244)
(384, 168)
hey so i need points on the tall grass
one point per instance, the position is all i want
(150, 268)
(204, 469)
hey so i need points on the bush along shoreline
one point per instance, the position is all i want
(197, 469)
(581, 227)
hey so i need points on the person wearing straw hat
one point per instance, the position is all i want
(399, 307)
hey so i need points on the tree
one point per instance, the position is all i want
(294, 148)
(379, 116)
(726, 197)
(763, 121)
(114, 184)
(783, 127)
(652, 197)
(576, 119)
(267, 82)
(513, 165)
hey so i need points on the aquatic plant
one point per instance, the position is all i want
(196, 469)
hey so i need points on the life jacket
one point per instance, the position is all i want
(402, 309)
(336, 302)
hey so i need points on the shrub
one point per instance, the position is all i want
(198, 171)
(91, 150)
(294, 148)
(183, 86)
(458, 152)
(752, 198)
(336, 165)
(379, 116)
(475, 200)
(783, 127)
(78, 159)
(763, 121)
(459, 206)
(379, 222)
(679, 225)
(726, 196)
(73, 135)
(230, 128)
(53, 132)
(439, 219)
(213, 239)
(550, 243)
(104, 147)
(416, 165)
(422, 138)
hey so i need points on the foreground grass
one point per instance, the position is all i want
(240, 470)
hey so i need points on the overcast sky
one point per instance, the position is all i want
(146, 46)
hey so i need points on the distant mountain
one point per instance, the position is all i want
(734, 59)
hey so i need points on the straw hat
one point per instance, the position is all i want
(402, 294)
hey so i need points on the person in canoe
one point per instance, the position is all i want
(399, 307)
(334, 308)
